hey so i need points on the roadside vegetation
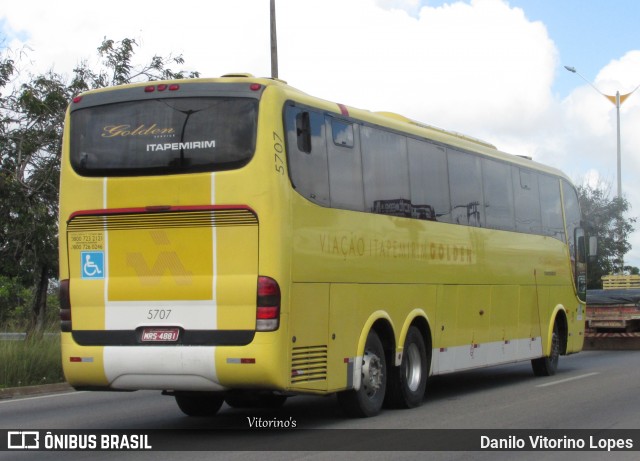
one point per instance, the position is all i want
(34, 359)
(30, 362)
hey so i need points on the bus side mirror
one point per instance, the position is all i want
(593, 248)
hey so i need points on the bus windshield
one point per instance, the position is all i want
(163, 136)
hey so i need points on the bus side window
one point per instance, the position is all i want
(385, 171)
(551, 207)
(527, 201)
(498, 195)
(429, 180)
(345, 165)
(571, 213)
(342, 133)
(307, 154)
(465, 181)
(579, 263)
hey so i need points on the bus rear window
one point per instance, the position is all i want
(163, 136)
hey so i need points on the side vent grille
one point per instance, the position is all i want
(207, 216)
(309, 364)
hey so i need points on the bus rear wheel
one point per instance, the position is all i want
(407, 383)
(199, 404)
(547, 366)
(367, 401)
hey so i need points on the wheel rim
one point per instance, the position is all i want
(371, 373)
(413, 367)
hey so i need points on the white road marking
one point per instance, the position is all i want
(568, 379)
(19, 399)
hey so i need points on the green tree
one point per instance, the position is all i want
(604, 218)
(31, 125)
(13, 299)
(30, 144)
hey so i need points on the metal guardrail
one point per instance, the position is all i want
(20, 336)
(12, 336)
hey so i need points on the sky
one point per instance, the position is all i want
(492, 69)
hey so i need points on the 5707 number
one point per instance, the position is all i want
(158, 314)
(278, 155)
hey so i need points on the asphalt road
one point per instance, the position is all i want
(594, 391)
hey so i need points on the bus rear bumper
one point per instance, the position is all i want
(173, 368)
(180, 368)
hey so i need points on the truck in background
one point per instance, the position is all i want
(613, 314)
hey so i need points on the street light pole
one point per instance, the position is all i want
(619, 153)
(617, 100)
(274, 40)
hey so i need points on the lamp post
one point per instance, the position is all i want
(617, 100)
(274, 40)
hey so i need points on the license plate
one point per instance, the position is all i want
(160, 335)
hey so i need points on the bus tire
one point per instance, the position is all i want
(199, 404)
(407, 383)
(547, 366)
(367, 401)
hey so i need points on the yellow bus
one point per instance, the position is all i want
(238, 240)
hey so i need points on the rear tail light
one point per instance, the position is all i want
(65, 306)
(268, 305)
(161, 87)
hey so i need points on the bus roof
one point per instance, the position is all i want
(384, 119)
(401, 123)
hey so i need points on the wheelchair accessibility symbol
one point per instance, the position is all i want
(92, 264)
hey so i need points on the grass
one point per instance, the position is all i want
(31, 362)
